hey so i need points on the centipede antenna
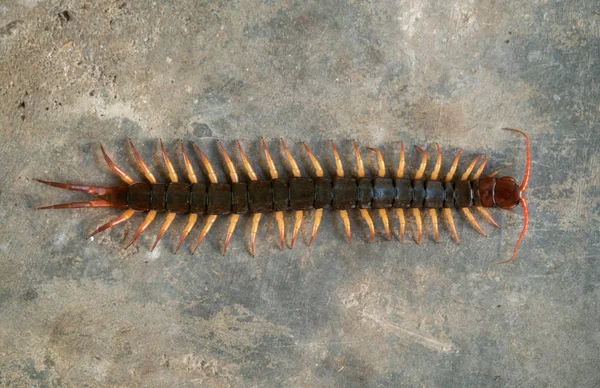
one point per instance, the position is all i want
(297, 223)
(434, 223)
(316, 223)
(172, 174)
(96, 203)
(472, 220)
(315, 162)
(421, 170)
(246, 163)
(487, 215)
(188, 166)
(500, 169)
(402, 222)
(232, 223)
(188, 228)
(212, 177)
(339, 168)
(400, 170)
(126, 178)
(447, 214)
(346, 221)
(452, 170)
(255, 222)
(143, 226)
(467, 172)
(272, 168)
(281, 228)
(210, 220)
(417, 215)
(480, 169)
(143, 166)
(115, 221)
(380, 162)
(367, 217)
(525, 223)
(438, 164)
(165, 226)
(386, 222)
(360, 168)
(527, 159)
(94, 190)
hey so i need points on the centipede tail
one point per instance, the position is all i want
(422, 197)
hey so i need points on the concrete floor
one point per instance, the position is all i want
(74, 312)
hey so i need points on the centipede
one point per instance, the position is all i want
(399, 194)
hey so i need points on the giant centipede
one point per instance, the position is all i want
(299, 194)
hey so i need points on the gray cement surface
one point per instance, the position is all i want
(76, 73)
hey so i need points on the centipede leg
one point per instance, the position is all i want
(434, 222)
(346, 221)
(188, 228)
(525, 223)
(447, 214)
(367, 217)
(143, 226)
(480, 169)
(172, 174)
(143, 166)
(438, 164)
(472, 220)
(417, 215)
(467, 172)
(210, 220)
(316, 223)
(126, 178)
(422, 166)
(116, 221)
(94, 190)
(487, 215)
(168, 220)
(253, 230)
(453, 167)
(297, 223)
(97, 203)
(281, 227)
(402, 221)
(232, 223)
(386, 222)
(493, 174)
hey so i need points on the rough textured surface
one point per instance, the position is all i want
(75, 312)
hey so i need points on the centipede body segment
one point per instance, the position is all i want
(341, 193)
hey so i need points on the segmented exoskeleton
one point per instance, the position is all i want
(302, 193)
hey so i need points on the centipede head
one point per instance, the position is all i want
(507, 193)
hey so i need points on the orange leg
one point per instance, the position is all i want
(487, 215)
(465, 176)
(270, 163)
(421, 170)
(297, 223)
(143, 166)
(210, 220)
(188, 166)
(229, 163)
(360, 168)
(116, 221)
(498, 170)
(94, 190)
(447, 214)
(480, 169)
(367, 217)
(400, 170)
(438, 164)
(143, 226)
(168, 220)
(346, 221)
(315, 162)
(386, 222)
(452, 170)
(281, 227)
(291, 160)
(472, 220)
(77, 205)
(172, 174)
(316, 223)
(402, 221)
(188, 228)
(247, 164)
(232, 223)
(339, 168)
(209, 168)
(126, 178)
(253, 230)
(417, 214)
(380, 162)
(434, 222)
